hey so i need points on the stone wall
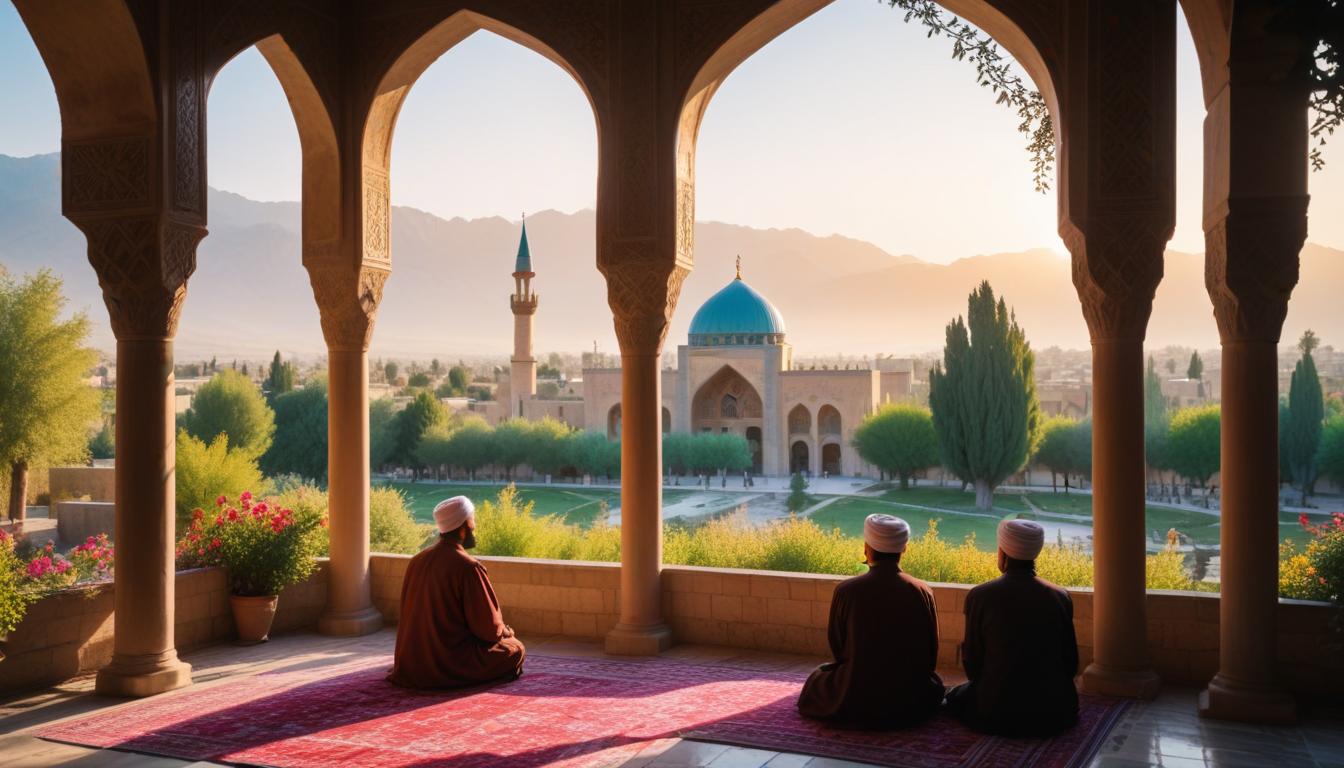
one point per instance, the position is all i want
(787, 612)
(96, 483)
(70, 633)
(76, 521)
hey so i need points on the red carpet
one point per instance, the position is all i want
(575, 712)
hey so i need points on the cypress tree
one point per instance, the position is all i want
(983, 396)
(1306, 411)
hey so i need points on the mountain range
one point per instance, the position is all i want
(448, 294)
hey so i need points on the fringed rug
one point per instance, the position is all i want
(565, 711)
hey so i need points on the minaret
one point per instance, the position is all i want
(523, 302)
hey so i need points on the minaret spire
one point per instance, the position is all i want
(523, 302)
(739, 266)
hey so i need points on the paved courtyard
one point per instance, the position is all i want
(1165, 732)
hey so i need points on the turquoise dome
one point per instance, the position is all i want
(736, 316)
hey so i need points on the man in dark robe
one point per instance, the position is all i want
(451, 633)
(884, 637)
(1020, 650)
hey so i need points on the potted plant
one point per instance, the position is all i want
(264, 548)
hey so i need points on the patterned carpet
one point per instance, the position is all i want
(565, 711)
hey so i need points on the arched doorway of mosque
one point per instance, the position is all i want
(830, 458)
(754, 442)
(667, 421)
(798, 458)
(614, 422)
(727, 402)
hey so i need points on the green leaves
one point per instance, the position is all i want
(1193, 447)
(899, 440)
(1306, 411)
(230, 404)
(983, 396)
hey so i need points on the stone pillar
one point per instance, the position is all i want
(348, 300)
(143, 263)
(1252, 266)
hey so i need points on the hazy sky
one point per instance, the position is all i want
(852, 122)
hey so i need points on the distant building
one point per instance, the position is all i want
(734, 375)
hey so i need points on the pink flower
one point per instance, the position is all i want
(222, 500)
(233, 515)
(261, 507)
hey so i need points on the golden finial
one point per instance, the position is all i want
(739, 266)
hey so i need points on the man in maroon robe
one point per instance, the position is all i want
(451, 633)
(1020, 651)
(884, 637)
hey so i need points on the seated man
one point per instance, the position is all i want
(1020, 650)
(451, 633)
(884, 637)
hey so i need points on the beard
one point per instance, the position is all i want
(469, 541)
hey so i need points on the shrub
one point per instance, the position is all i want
(392, 527)
(206, 472)
(14, 599)
(265, 548)
(231, 404)
(1325, 558)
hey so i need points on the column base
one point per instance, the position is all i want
(352, 624)
(625, 640)
(137, 677)
(1225, 699)
(1124, 682)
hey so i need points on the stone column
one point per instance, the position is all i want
(1252, 266)
(143, 263)
(348, 300)
(1116, 305)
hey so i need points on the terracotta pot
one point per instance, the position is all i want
(252, 617)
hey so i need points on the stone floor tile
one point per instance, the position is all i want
(787, 760)
(688, 754)
(743, 757)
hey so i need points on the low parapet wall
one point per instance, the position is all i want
(95, 483)
(788, 612)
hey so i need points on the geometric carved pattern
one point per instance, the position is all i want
(143, 263)
(347, 302)
(377, 210)
(1117, 265)
(1125, 82)
(1251, 265)
(187, 98)
(642, 292)
(106, 174)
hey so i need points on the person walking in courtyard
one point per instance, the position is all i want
(1020, 651)
(884, 637)
(451, 633)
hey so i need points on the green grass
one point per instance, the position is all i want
(575, 505)
(958, 517)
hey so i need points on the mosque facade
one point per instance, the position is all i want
(734, 374)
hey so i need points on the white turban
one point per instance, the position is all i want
(1021, 539)
(450, 514)
(885, 533)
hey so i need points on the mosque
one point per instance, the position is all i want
(735, 374)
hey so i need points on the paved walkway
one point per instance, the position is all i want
(1164, 732)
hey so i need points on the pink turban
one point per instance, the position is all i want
(886, 533)
(450, 514)
(1021, 539)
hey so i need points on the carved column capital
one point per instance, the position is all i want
(143, 262)
(1117, 264)
(347, 301)
(1251, 264)
(642, 291)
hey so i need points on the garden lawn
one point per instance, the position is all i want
(957, 516)
(574, 504)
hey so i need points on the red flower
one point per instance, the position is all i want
(222, 500)
(245, 497)
(215, 543)
(233, 515)
(197, 514)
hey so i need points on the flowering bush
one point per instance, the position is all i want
(1319, 572)
(14, 599)
(264, 547)
(93, 558)
(48, 571)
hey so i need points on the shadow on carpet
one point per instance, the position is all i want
(565, 711)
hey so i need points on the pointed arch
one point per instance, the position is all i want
(800, 420)
(726, 401)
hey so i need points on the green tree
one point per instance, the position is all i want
(1332, 449)
(899, 440)
(390, 371)
(435, 449)
(422, 412)
(300, 443)
(1193, 445)
(1156, 420)
(280, 379)
(103, 445)
(1306, 411)
(1056, 449)
(676, 453)
(593, 454)
(207, 471)
(231, 404)
(418, 379)
(551, 444)
(382, 432)
(513, 443)
(460, 378)
(797, 500)
(46, 408)
(1195, 370)
(435, 367)
(983, 396)
(472, 445)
